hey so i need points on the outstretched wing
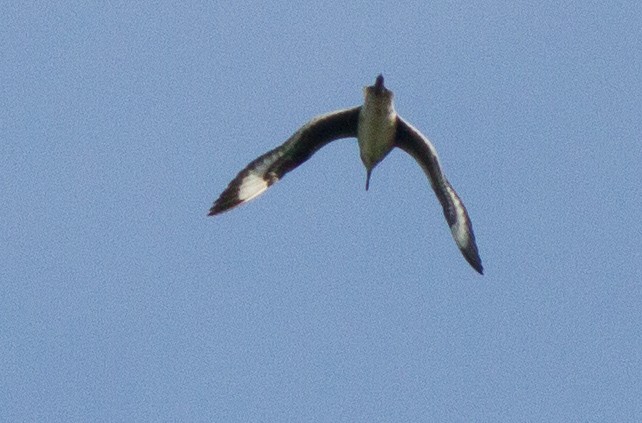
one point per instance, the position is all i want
(418, 146)
(264, 171)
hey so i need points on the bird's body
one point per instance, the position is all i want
(377, 126)
(378, 130)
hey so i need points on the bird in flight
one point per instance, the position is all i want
(378, 129)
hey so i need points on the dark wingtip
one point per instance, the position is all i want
(472, 257)
(223, 204)
(214, 210)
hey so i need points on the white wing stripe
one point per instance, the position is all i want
(257, 180)
(459, 229)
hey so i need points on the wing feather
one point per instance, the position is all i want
(418, 146)
(269, 168)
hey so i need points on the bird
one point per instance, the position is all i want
(378, 129)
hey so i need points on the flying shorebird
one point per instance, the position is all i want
(378, 128)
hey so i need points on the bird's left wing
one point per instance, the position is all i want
(269, 168)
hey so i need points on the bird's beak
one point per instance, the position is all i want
(369, 172)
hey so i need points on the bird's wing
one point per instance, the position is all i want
(264, 171)
(418, 146)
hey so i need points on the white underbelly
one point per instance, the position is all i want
(376, 135)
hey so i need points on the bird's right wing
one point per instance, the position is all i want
(269, 168)
(418, 146)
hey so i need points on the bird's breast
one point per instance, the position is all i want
(376, 132)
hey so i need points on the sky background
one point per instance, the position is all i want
(121, 122)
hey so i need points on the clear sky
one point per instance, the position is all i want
(121, 122)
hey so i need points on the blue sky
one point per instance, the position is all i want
(121, 301)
